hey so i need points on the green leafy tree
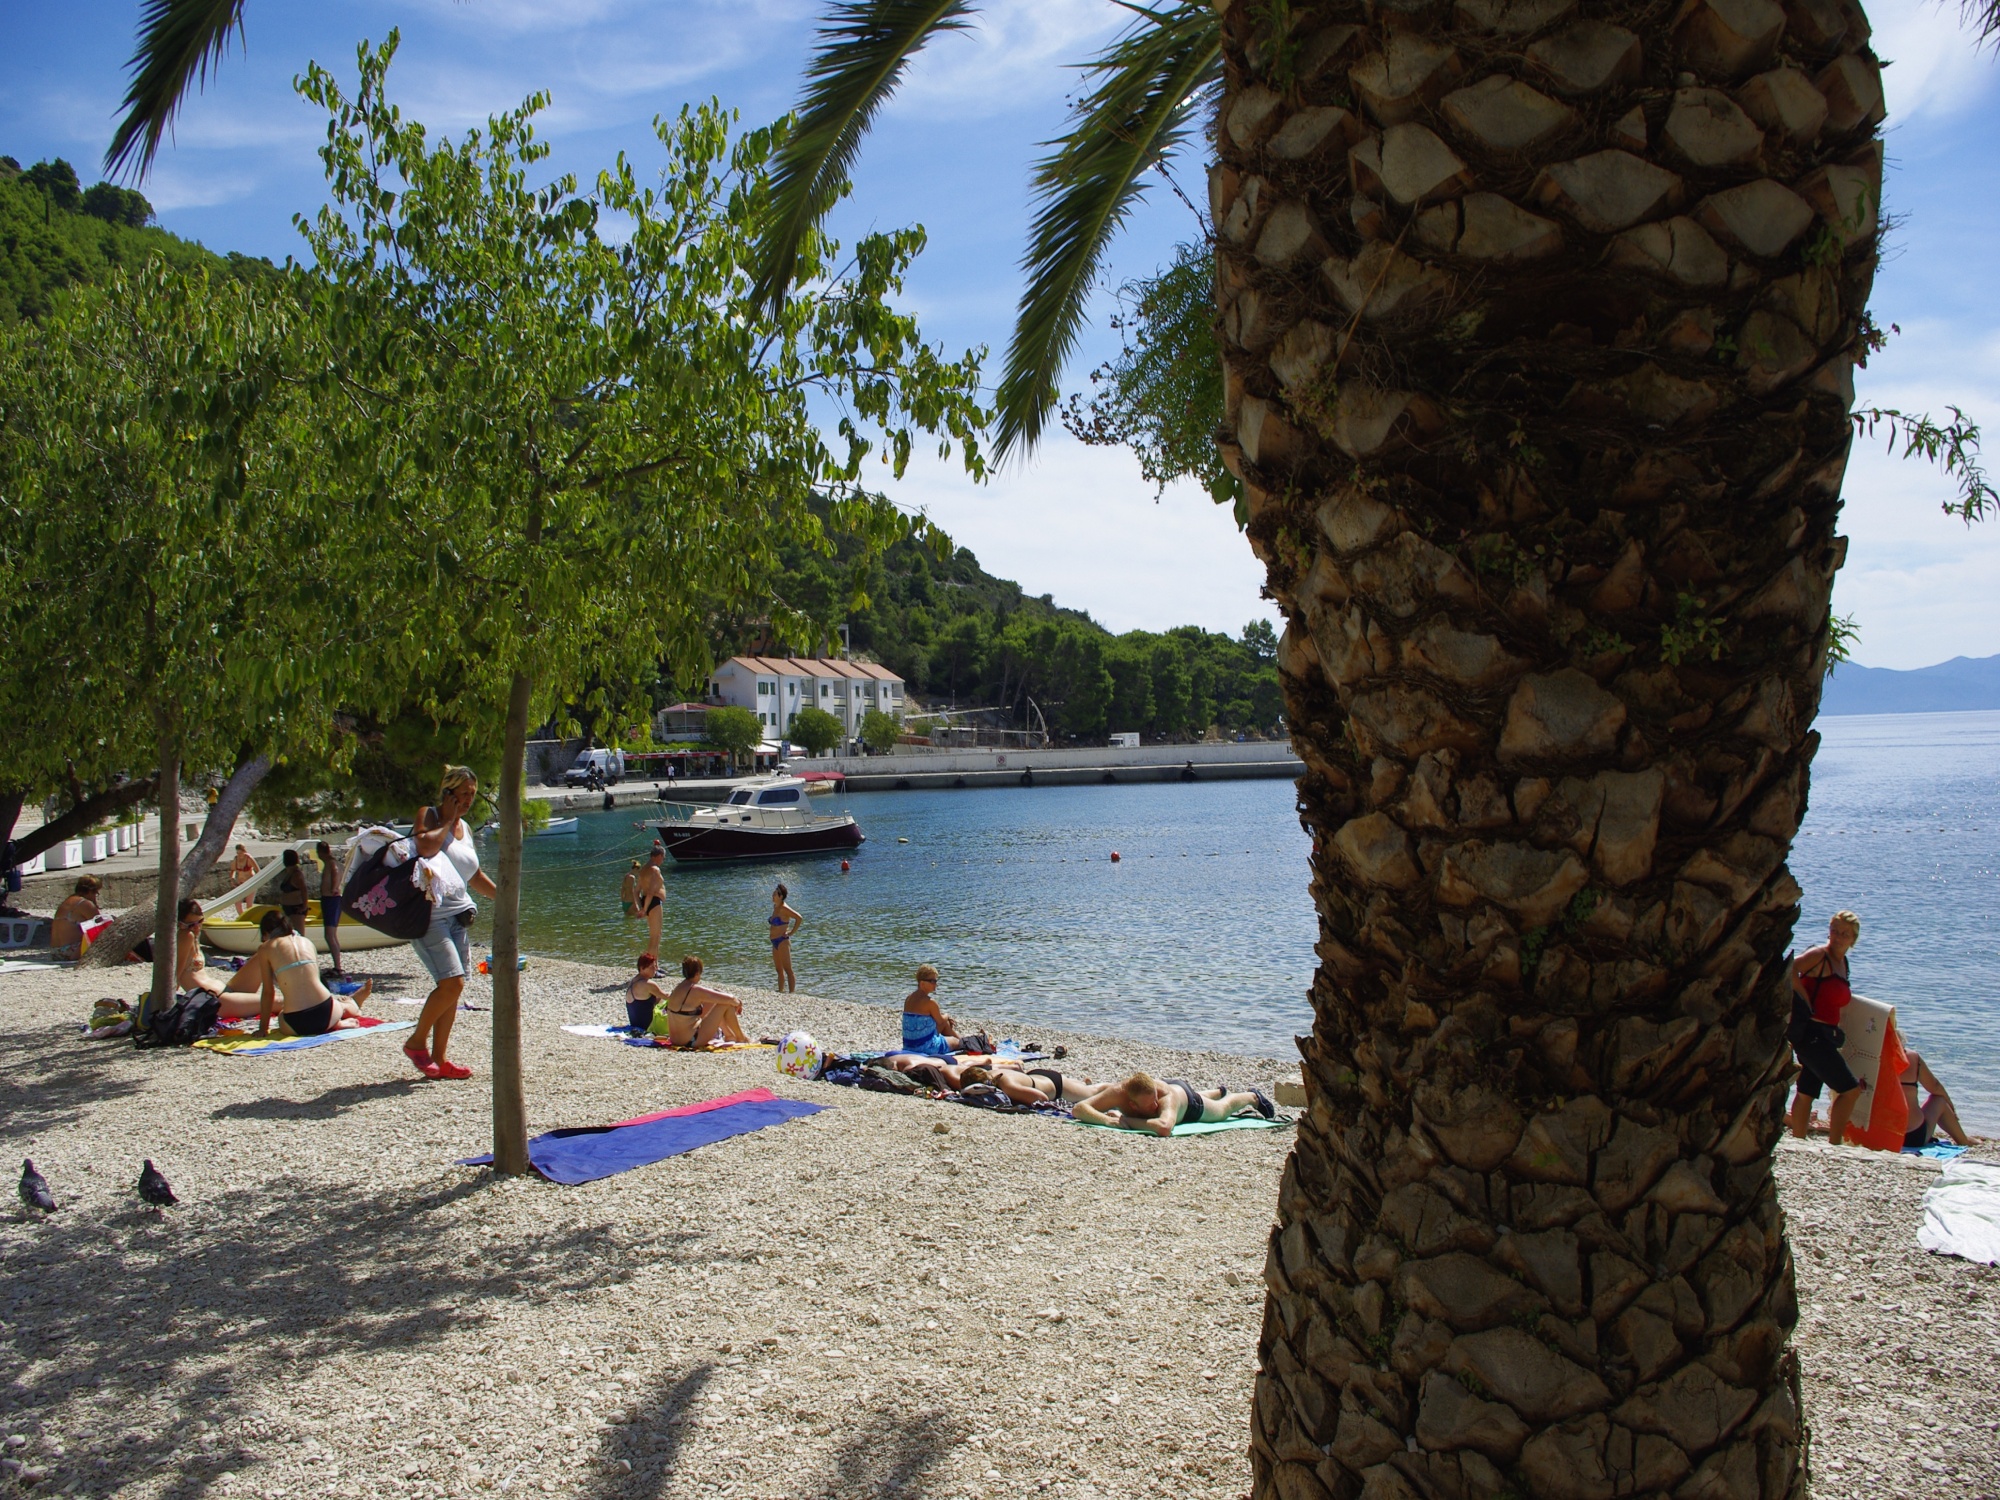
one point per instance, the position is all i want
(152, 448)
(880, 731)
(736, 730)
(560, 424)
(815, 730)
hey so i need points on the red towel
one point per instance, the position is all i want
(748, 1096)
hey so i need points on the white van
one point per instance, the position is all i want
(605, 766)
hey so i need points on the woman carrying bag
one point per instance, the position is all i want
(449, 873)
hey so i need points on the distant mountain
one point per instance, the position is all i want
(1953, 686)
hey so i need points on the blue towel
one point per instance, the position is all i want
(573, 1156)
(1936, 1151)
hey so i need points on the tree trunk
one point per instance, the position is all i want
(165, 900)
(510, 1106)
(1539, 336)
(119, 937)
(84, 815)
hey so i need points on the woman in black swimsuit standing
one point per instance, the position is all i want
(293, 894)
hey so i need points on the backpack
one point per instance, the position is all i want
(387, 896)
(181, 1024)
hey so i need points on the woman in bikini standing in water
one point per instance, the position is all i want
(784, 922)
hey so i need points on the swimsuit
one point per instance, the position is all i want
(314, 1020)
(639, 1013)
(1195, 1103)
(1817, 1039)
(650, 904)
(1053, 1077)
(778, 939)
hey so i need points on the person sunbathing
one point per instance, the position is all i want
(191, 972)
(292, 973)
(1022, 1084)
(696, 1014)
(66, 928)
(1142, 1102)
(643, 994)
(927, 1030)
(1934, 1114)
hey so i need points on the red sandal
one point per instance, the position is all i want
(451, 1070)
(420, 1059)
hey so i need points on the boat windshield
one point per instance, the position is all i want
(740, 799)
(781, 794)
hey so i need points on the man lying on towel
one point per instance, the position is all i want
(1020, 1083)
(1145, 1103)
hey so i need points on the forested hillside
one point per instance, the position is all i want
(55, 233)
(963, 638)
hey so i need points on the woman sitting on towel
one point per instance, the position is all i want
(1144, 1103)
(643, 994)
(697, 1015)
(291, 970)
(1934, 1114)
(66, 930)
(190, 973)
(927, 1030)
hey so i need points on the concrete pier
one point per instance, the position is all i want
(932, 770)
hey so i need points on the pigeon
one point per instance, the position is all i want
(35, 1189)
(153, 1187)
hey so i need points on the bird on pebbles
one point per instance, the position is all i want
(35, 1189)
(153, 1187)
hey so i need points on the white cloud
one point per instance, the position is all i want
(1081, 525)
(1017, 50)
(1936, 68)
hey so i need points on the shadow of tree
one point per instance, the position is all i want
(650, 1443)
(893, 1453)
(335, 1101)
(47, 1077)
(134, 1327)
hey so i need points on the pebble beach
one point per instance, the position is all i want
(890, 1297)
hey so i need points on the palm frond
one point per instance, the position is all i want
(1984, 17)
(179, 41)
(864, 48)
(1147, 86)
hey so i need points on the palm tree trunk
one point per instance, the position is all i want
(1538, 335)
(510, 1107)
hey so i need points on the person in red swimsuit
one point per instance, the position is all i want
(1820, 991)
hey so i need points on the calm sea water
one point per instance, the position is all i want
(1202, 935)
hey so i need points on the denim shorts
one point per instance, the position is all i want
(445, 948)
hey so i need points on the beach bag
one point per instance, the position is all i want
(387, 896)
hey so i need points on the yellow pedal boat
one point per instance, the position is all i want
(233, 934)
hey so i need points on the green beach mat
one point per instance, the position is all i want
(1209, 1127)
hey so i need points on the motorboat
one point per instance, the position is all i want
(233, 934)
(554, 825)
(764, 819)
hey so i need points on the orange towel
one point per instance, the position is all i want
(1889, 1120)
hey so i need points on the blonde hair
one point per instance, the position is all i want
(455, 777)
(1144, 1083)
(926, 971)
(1845, 919)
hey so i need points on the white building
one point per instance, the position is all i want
(775, 688)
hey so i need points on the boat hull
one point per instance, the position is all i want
(705, 843)
(240, 935)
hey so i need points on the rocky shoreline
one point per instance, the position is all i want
(889, 1297)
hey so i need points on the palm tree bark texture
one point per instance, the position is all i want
(1539, 320)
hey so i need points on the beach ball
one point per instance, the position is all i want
(799, 1055)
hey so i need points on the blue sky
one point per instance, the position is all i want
(953, 153)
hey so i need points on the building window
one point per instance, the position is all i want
(794, 688)
(763, 690)
(824, 690)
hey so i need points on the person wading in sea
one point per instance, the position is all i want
(784, 924)
(653, 896)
